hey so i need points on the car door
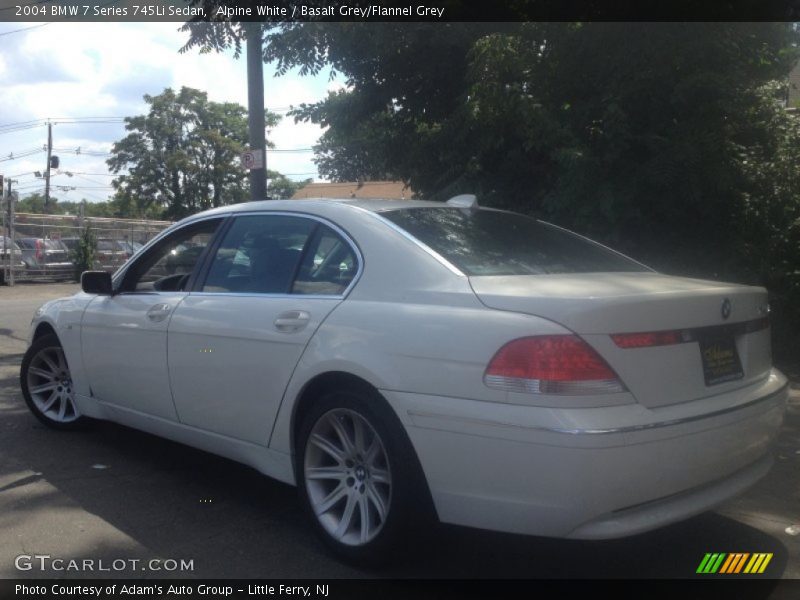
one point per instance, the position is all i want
(236, 338)
(124, 336)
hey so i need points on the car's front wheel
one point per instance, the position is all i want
(47, 384)
(358, 477)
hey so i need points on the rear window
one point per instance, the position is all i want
(54, 245)
(488, 242)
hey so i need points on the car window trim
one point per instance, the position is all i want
(198, 288)
(312, 237)
(198, 277)
(157, 242)
(416, 241)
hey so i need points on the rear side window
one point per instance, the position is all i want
(281, 254)
(488, 242)
(329, 265)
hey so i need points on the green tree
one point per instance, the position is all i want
(183, 156)
(629, 132)
(668, 141)
(34, 203)
(281, 187)
(83, 257)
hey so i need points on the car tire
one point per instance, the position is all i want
(373, 477)
(47, 385)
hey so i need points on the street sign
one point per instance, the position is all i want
(252, 159)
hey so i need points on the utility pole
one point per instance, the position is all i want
(47, 172)
(255, 109)
(12, 233)
(6, 221)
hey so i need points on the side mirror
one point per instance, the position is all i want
(97, 282)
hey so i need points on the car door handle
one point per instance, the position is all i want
(292, 320)
(158, 312)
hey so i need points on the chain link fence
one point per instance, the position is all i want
(42, 247)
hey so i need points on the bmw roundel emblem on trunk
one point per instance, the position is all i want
(726, 308)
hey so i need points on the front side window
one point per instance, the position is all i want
(281, 254)
(259, 254)
(168, 265)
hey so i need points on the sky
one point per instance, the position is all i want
(81, 70)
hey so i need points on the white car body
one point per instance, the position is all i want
(216, 374)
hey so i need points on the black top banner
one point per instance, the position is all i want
(399, 10)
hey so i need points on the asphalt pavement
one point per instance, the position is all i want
(110, 493)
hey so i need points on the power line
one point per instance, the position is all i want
(97, 174)
(54, 119)
(24, 5)
(20, 155)
(89, 179)
(25, 29)
(111, 118)
(22, 122)
(20, 128)
(50, 22)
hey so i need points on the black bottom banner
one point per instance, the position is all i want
(380, 589)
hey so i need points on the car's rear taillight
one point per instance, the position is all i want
(551, 364)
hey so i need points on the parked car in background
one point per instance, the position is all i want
(110, 253)
(130, 248)
(47, 257)
(10, 255)
(399, 360)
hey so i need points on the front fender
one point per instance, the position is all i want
(64, 316)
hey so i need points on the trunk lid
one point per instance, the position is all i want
(597, 305)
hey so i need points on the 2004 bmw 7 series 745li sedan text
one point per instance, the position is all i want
(397, 359)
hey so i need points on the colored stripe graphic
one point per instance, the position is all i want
(758, 563)
(733, 563)
(711, 563)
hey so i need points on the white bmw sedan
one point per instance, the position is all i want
(395, 359)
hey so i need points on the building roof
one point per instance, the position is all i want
(366, 189)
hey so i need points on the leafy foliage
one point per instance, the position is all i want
(281, 187)
(83, 257)
(34, 203)
(183, 156)
(667, 141)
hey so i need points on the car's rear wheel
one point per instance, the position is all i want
(358, 477)
(47, 384)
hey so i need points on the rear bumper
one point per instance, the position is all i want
(590, 473)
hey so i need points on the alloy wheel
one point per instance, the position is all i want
(50, 385)
(347, 477)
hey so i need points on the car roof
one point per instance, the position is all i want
(378, 204)
(370, 204)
